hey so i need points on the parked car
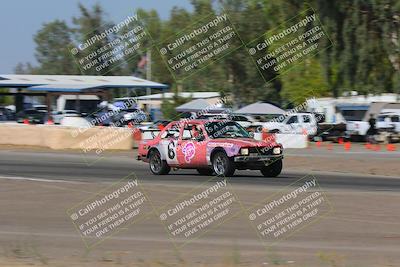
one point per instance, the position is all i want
(244, 121)
(6, 114)
(59, 115)
(75, 121)
(40, 107)
(389, 121)
(210, 146)
(357, 130)
(126, 116)
(135, 116)
(387, 126)
(33, 116)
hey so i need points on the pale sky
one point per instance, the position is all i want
(21, 19)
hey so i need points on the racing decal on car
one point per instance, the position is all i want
(220, 144)
(168, 151)
(171, 150)
(189, 150)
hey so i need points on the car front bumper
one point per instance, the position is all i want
(244, 159)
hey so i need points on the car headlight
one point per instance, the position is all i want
(244, 151)
(276, 150)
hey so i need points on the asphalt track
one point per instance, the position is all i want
(37, 186)
(75, 166)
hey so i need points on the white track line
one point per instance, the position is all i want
(39, 180)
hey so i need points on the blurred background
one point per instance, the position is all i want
(364, 57)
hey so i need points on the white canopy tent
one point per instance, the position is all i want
(260, 108)
(199, 105)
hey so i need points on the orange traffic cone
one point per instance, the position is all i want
(319, 143)
(340, 140)
(390, 147)
(25, 121)
(368, 146)
(49, 122)
(347, 146)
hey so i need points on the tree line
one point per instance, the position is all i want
(365, 55)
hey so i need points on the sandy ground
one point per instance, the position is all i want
(361, 228)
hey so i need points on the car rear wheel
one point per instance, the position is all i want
(222, 164)
(157, 165)
(273, 169)
(206, 171)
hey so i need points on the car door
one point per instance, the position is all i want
(308, 124)
(396, 123)
(191, 150)
(168, 145)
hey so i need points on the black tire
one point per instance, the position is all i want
(222, 164)
(272, 170)
(157, 165)
(206, 171)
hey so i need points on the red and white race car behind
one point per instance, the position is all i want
(211, 147)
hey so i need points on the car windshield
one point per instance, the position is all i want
(381, 118)
(225, 129)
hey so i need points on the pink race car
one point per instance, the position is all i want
(211, 147)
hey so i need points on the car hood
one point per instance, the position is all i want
(242, 142)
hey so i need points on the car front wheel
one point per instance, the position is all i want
(273, 169)
(222, 164)
(157, 165)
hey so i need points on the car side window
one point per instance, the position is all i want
(292, 119)
(186, 134)
(171, 133)
(193, 132)
(306, 119)
(239, 118)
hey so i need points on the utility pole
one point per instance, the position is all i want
(148, 76)
(148, 69)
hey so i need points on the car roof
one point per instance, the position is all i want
(196, 121)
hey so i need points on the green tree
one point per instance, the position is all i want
(52, 51)
(91, 23)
